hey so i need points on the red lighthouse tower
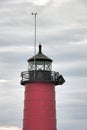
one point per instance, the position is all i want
(39, 103)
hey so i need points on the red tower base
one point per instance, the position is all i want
(39, 106)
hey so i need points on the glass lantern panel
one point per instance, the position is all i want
(31, 66)
(39, 65)
(48, 66)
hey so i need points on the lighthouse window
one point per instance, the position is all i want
(31, 66)
(40, 65)
(47, 66)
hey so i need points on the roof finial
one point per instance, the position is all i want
(40, 46)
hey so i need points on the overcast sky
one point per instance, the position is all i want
(62, 31)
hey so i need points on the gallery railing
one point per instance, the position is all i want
(45, 76)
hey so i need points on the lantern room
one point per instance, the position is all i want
(39, 62)
(40, 70)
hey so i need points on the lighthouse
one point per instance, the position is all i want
(39, 101)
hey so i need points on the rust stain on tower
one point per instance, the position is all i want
(39, 103)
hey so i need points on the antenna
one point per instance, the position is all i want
(35, 14)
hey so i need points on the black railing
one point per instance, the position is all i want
(45, 76)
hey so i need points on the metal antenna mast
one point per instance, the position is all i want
(35, 14)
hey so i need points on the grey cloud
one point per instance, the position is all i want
(11, 106)
(71, 104)
(83, 2)
(21, 19)
(77, 71)
(69, 53)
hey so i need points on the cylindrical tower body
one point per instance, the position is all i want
(39, 107)
(39, 103)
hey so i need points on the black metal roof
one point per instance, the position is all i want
(40, 56)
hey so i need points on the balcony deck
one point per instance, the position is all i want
(42, 76)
